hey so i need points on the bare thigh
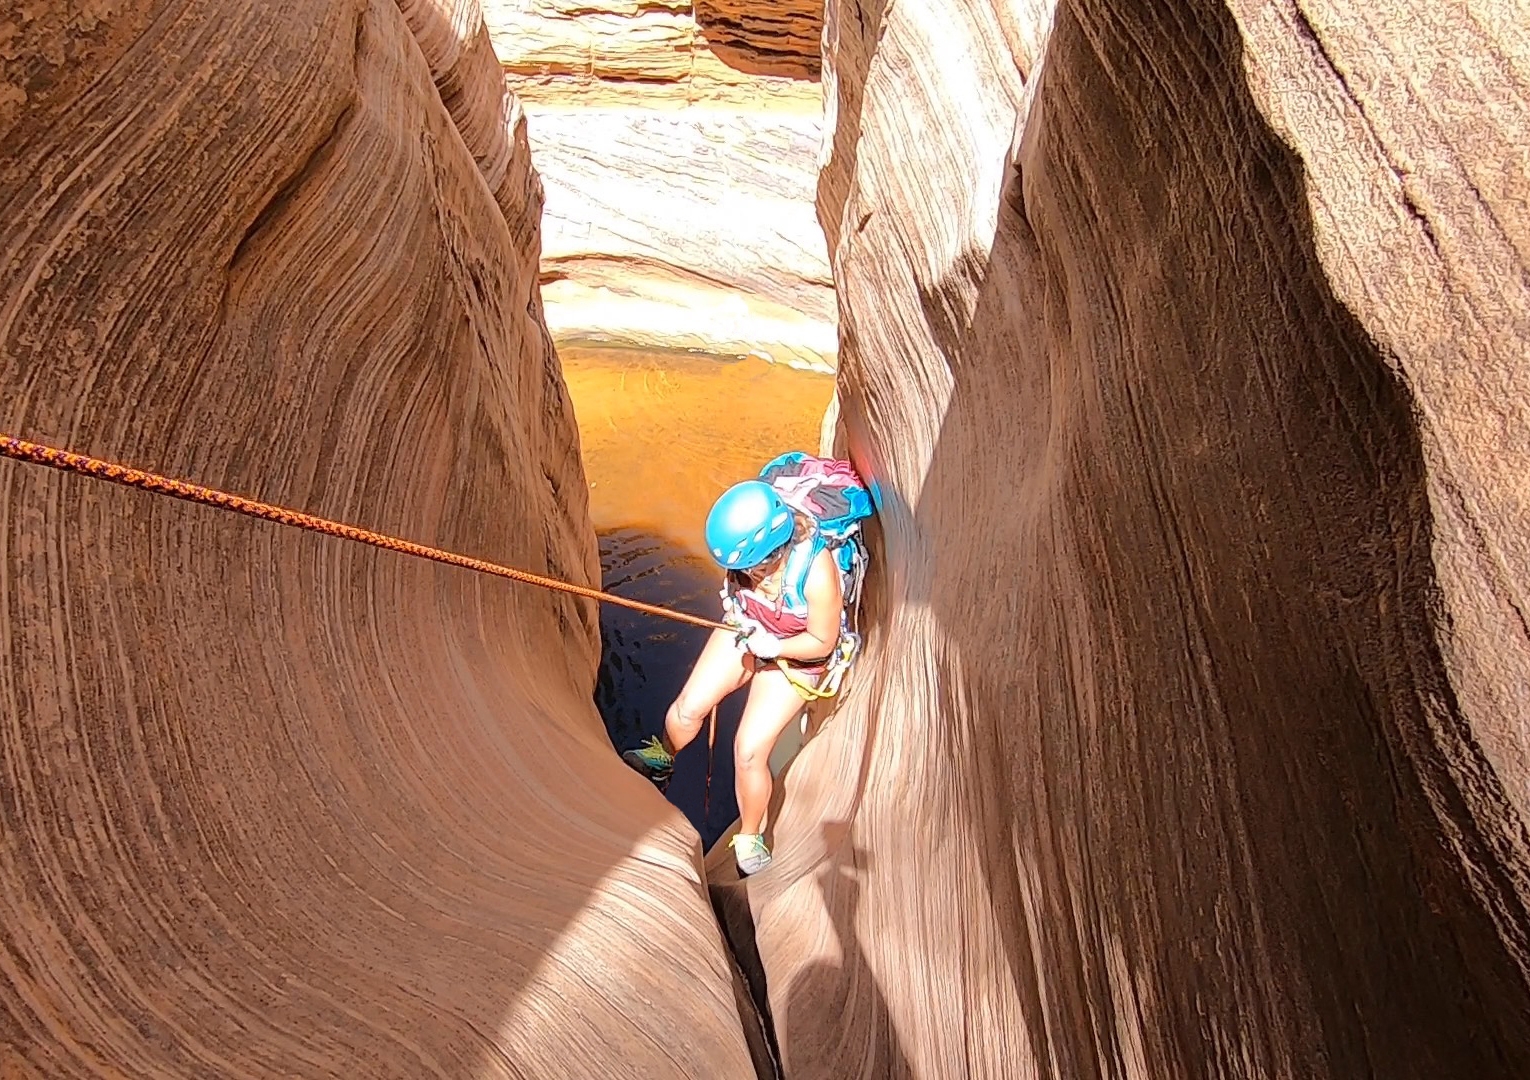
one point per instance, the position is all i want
(773, 703)
(719, 671)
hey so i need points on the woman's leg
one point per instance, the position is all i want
(772, 704)
(718, 672)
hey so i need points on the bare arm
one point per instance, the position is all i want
(825, 602)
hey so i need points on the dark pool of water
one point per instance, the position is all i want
(645, 661)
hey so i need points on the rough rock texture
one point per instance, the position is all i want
(1188, 353)
(679, 145)
(726, 49)
(274, 804)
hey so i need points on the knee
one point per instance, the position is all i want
(748, 754)
(683, 716)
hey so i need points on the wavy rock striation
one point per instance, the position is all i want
(716, 49)
(1181, 341)
(274, 804)
(679, 145)
(1185, 344)
(685, 228)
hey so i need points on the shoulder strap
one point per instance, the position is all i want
(794, 579)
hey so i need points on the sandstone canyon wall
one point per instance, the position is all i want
(1187, 347)
(275, 804)
(678, 143)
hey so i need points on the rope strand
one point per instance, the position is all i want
(67, 461)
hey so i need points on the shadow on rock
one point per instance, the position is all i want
(843, 984)
(1202, 738)
(780, 38)
(275, 803)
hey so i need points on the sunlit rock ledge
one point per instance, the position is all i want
(680, 168)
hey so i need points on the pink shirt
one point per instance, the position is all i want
(768, 613)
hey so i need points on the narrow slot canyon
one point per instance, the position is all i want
(1183, 347)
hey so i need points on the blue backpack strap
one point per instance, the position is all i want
(794, 579)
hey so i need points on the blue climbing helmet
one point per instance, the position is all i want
(747, 524)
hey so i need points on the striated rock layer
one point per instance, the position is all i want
(684, 228)
(725, 50)
(1186, 345)
(276, 804)
(679, 145)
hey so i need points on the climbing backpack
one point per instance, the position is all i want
(831, 493)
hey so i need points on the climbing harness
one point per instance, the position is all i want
(67, 461)
(845, 651)
(833, 674)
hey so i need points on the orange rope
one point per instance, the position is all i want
(54, 458)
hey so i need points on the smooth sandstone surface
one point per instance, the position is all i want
(275, 804)
(679, 147)
(1187, 347)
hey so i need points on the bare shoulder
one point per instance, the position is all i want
(823, 575)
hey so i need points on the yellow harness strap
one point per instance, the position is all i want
(806, 690)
